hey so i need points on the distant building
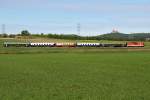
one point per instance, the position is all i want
(115, 31)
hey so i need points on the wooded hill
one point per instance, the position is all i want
(122, 36)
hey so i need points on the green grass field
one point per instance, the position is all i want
(74, 73)
(75, 76)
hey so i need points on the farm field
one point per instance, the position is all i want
(75, 76)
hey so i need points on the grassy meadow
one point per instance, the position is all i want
(75, 76)
(74, 73)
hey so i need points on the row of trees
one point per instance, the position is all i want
(23, 33)
(110, 36)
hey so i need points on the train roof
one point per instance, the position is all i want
(16, 42)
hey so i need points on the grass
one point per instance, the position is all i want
(75, 76)
(74, 73)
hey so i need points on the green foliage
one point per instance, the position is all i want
(109, 36)
(63, 36)
(25, 33)
(4, 35)
(12, 36)
(125, 37)
(114, 36)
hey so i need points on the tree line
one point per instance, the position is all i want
(109, 36)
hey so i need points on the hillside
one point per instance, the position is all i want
(122, 36)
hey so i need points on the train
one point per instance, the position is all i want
(77, 44)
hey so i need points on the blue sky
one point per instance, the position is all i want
(61, 16)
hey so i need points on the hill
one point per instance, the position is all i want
(123, 36)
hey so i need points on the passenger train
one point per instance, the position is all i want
(77, 44)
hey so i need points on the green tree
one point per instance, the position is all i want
(25, 33)
(5, 35)
(12, 35)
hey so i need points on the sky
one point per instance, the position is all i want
(62, 16)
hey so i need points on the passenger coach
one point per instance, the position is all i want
(88, 44)
(42, 44)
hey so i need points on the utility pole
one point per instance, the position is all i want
(3, 28)
(78, 28)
